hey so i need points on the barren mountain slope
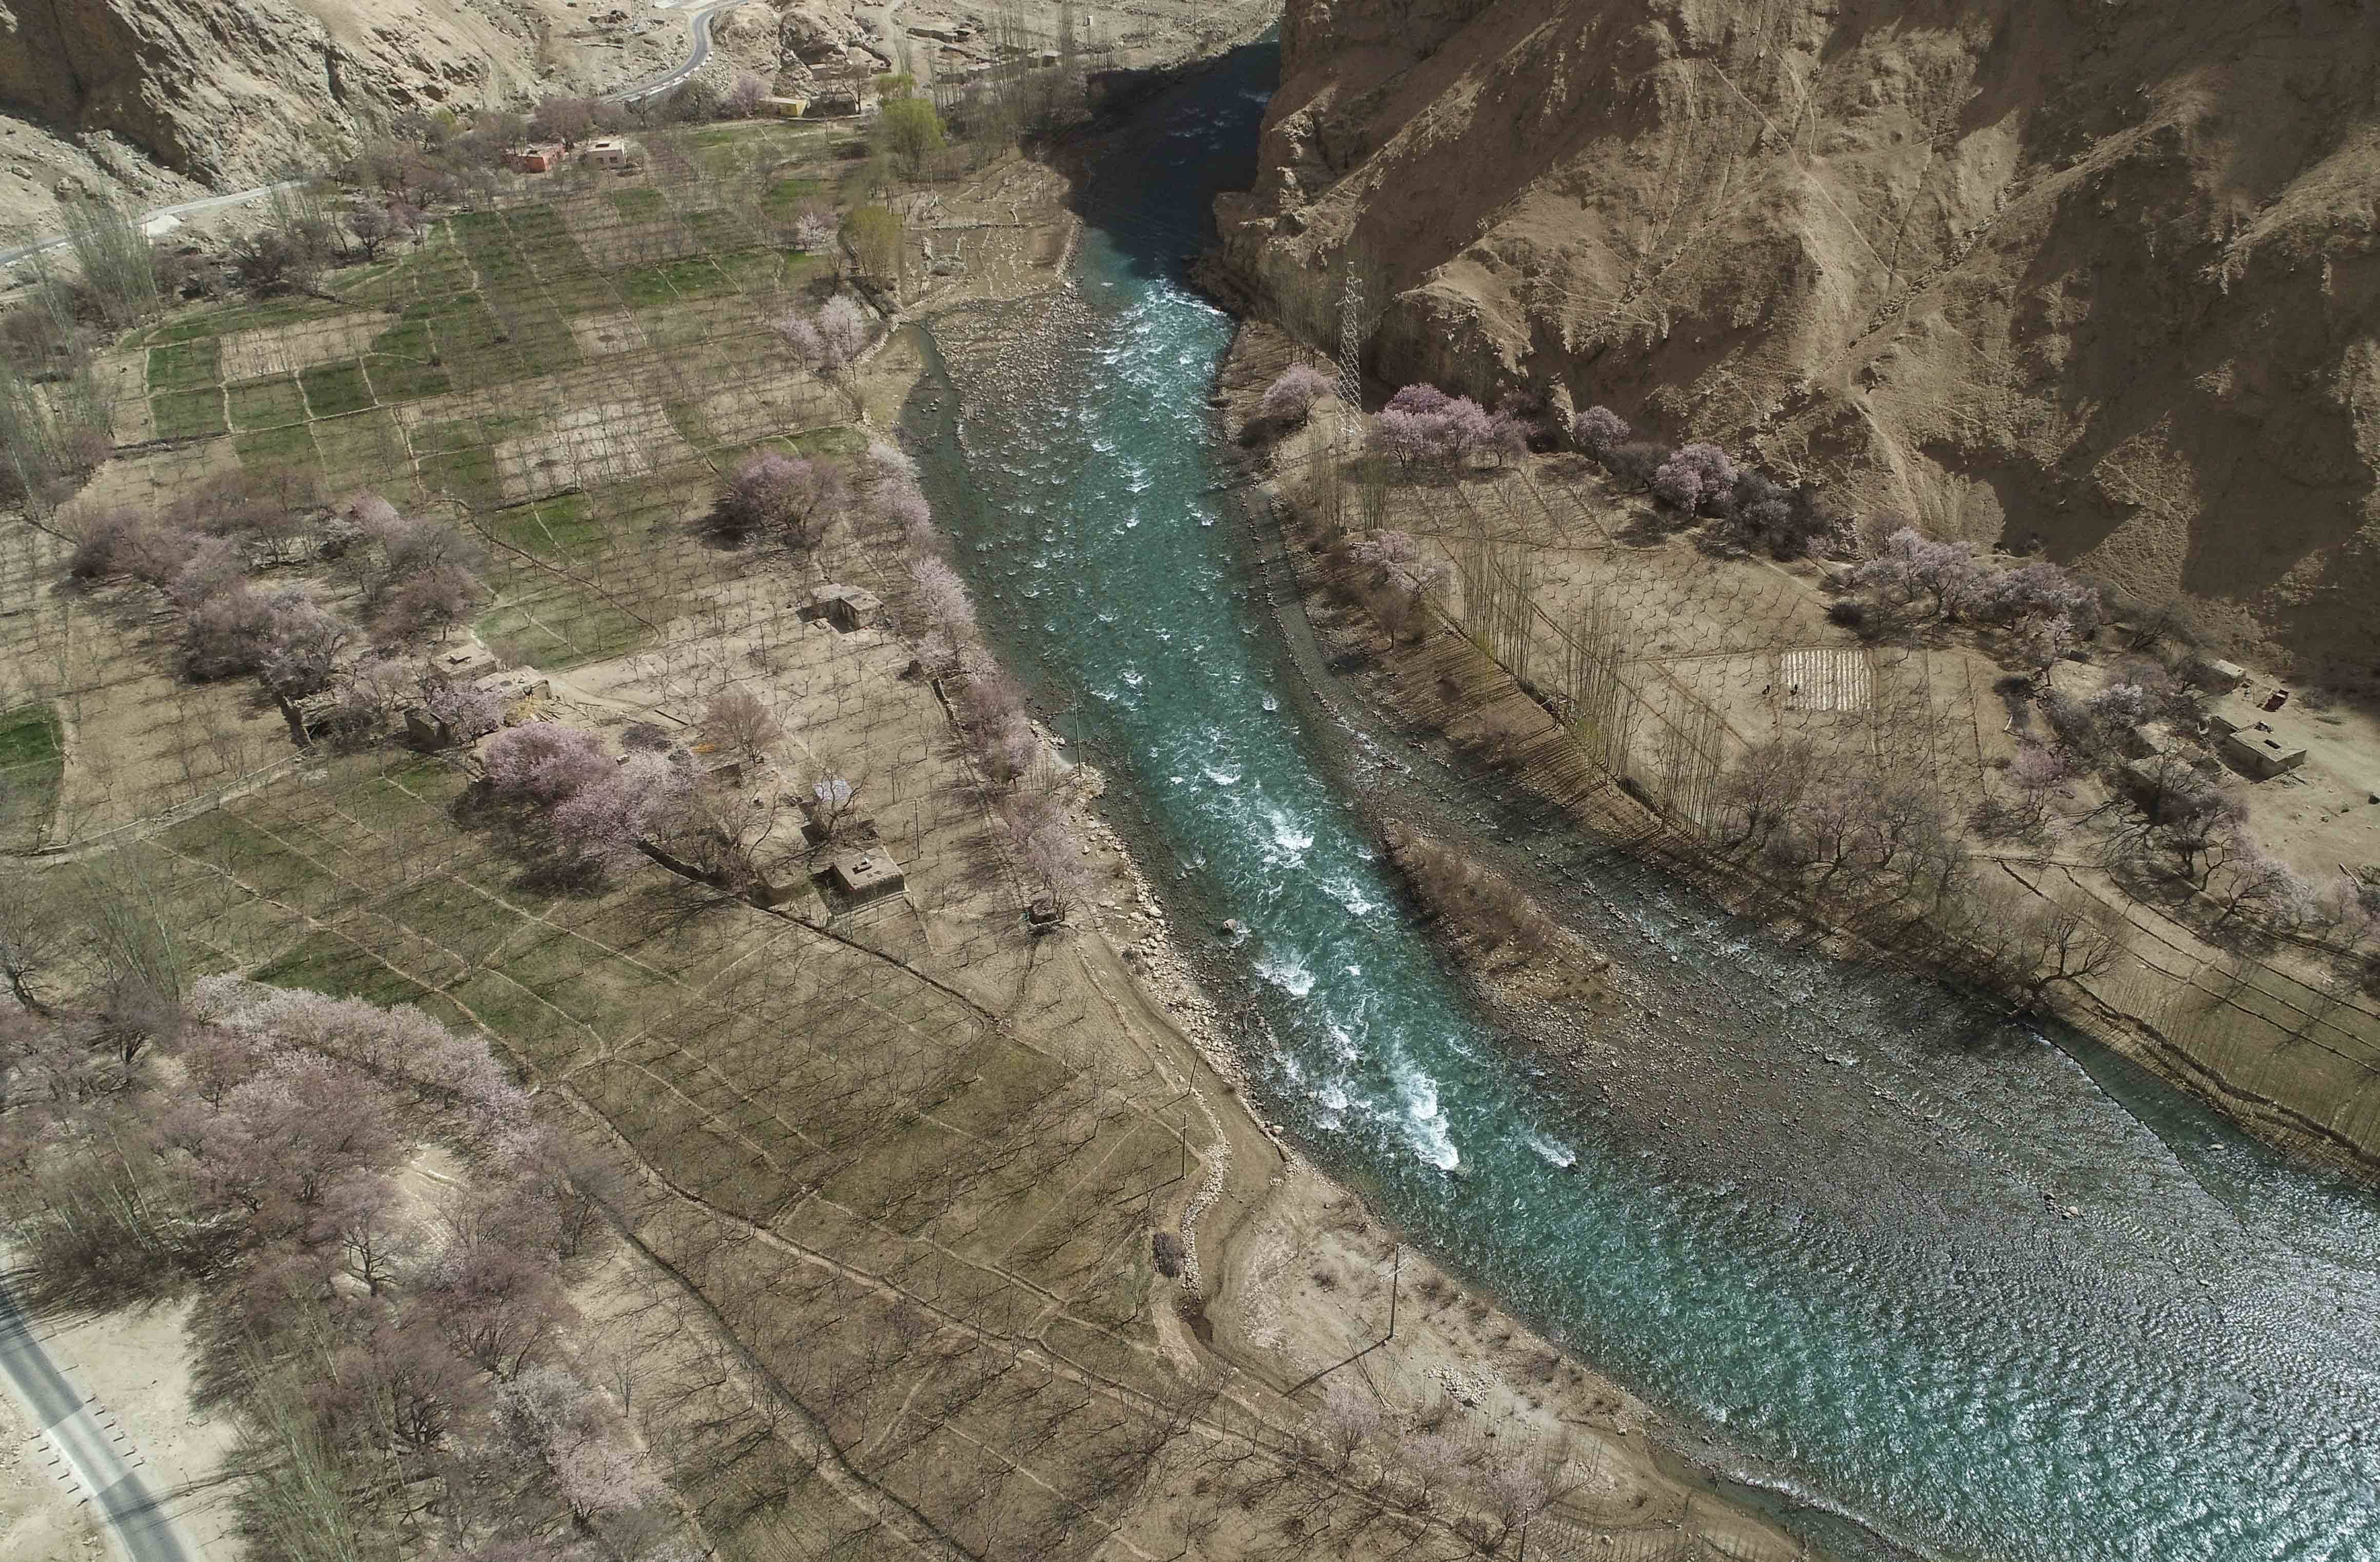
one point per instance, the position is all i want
(2096, 272)
(168, 97)
(153, 102)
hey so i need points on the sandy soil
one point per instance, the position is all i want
(285, 349)
(138, 1363)
(137, 739)
(41, 1519)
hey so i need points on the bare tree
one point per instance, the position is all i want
(2253, 880)
(2070, 943)
(790, 498)
(33, 936)
(834, 801)
(739, 722)
(372, 227)
(1761, 794)
(139, 955)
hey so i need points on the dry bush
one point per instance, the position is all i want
(1483, 905)
(740, 722)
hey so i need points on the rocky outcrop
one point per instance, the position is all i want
(185, 80)
(2095, 274)
(231, 91)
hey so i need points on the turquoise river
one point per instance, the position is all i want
(1885, 1330)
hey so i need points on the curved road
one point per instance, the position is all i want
(697, 55)
(82, 1435)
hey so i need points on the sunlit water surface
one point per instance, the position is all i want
(2189, 1370)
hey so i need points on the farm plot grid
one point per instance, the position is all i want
(567, 375)
(983, 1173)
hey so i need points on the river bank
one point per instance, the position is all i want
(2153, 1006)
(1858, 1279)
(1287, 1276)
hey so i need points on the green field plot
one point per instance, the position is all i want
(468, 475)
(403, 364)
(480, 231)
(188, 414)
(267, 404)
(498, 262)
(560, 527)
(367, 449)
(257, 858)
(404, 379)
(329, 962)
(185, 364)
(333, 389)
(438, 271)
(578, 292)
(842, 443)
(563, 629)
(544, 342)
(188, 329)
(771, 270)
(471, 922)
(718, 230)
(639, 205)
(474, 347)
(648, 287)
(290, 444)
(785, 197)
(697, 278)
(409, 338)
(540, 234)
(33, 757)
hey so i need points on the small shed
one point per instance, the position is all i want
(861, 876)
(2262, 750)
(846, 607)
(610, 153)
(310, 716)
(535, 159)
(428, 732)
(465, 664)
(520, 683)
(785, 108)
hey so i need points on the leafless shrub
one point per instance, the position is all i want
(739, 722)
(1481, 904)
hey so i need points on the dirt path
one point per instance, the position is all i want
(89, 1448)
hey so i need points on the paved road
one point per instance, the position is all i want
(84, 1441)
(698, 55)
(186, 209)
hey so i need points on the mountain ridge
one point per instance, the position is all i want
(2098, 278)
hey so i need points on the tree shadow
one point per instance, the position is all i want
(512, 834)
(1647, 525)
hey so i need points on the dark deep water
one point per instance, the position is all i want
(2188, 1370)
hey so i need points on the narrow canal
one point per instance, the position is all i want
(1904, 1330)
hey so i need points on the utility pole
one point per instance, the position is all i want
(1351, 338)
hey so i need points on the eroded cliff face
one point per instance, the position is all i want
(228, 91)
(2100, 274)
